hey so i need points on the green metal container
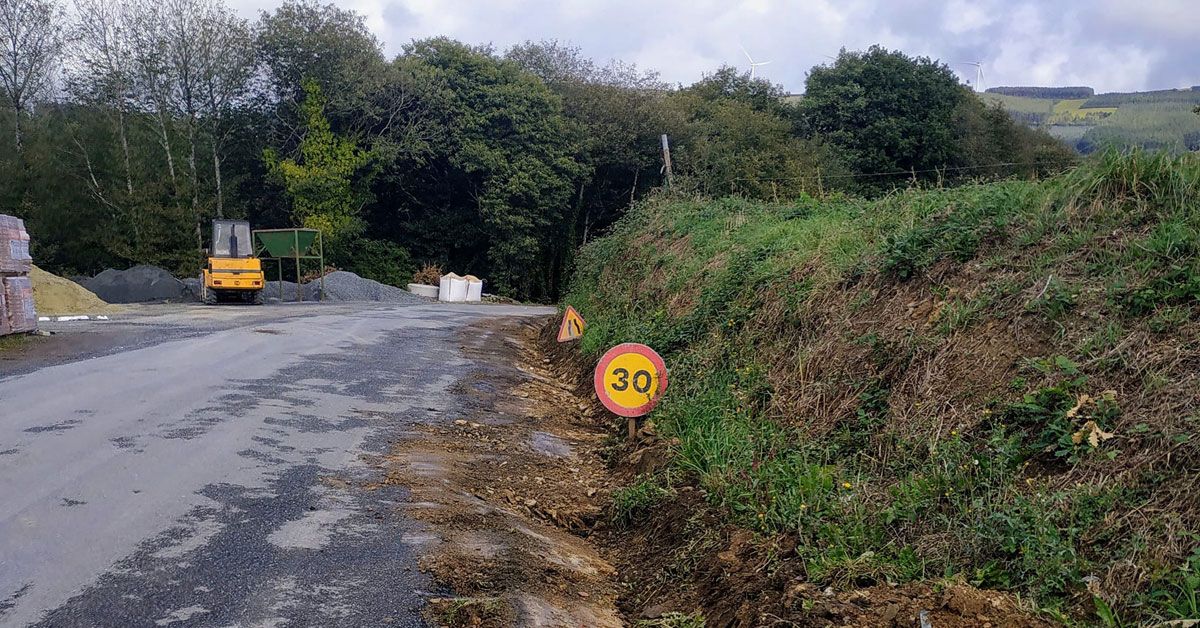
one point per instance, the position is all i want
(287, 242)
(294, 244)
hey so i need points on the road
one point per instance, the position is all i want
(207, 473)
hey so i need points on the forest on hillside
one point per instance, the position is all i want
(129, 124)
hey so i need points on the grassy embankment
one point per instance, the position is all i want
(997, 383)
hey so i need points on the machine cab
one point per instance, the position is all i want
(231, 239)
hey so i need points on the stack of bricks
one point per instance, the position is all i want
(17, 312)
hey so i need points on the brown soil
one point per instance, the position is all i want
(508, 489)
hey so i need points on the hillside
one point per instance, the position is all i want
(993, 385)
(1162, 119)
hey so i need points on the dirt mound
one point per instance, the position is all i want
(55, 295)
(342, 285)
(135, 285)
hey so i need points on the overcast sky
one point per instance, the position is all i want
(1111, 45)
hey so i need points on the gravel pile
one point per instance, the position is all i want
(136, 285)
(150, 283)
(192, 289)
(289, 291)
(341, 285)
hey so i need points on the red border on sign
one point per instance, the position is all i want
(607, 358)
(562, 328)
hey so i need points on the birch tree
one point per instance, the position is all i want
(226, 56)
(152, 77)
(32, 34)
(104, 67)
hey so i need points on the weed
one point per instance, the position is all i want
(1177, 594)
(962, 313)
(472, 611)
(14, 342)
(674, 620)
(429, 274)
(636, 500)
(1056, 299)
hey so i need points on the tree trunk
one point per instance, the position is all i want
(125, 151)
(17, 126)
(195, 180)
(164, 140)
(217, 171)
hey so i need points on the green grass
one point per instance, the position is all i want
(1167, 126)
(1022, 104)
(736, 296)
(634, 501)
(13, 342)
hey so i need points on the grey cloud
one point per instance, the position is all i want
(1108, 44)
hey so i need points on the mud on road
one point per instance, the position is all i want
(507, 490)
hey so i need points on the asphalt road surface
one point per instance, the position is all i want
(201, 467)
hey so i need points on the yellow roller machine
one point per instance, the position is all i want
(233, 274)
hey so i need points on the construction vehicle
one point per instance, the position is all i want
(233, 273)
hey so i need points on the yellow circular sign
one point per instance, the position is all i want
(630, 378)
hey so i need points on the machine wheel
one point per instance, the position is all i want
(210, 297)
(258, 298)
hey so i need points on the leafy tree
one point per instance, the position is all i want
(494, 197)
(730, 146)
(727, 83)
(886, 112)
(320, 182)
(895, 118)
(617, 113)
(333, 47)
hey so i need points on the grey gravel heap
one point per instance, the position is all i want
(341, 285)
(136, 285)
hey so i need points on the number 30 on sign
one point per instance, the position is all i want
(630, 378)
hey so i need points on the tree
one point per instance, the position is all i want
(199, 63)
(729, 84)
(105, 70)
(617, 113)
(887, 112)
(226, 61)
(153, 77)
(303, 40)
(320, 183)
(32, 38)
(494, 197)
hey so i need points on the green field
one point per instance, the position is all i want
(1157, 120)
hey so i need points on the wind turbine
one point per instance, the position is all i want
(978, 73)
(753, 64)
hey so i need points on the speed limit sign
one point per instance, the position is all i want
(630, 378)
